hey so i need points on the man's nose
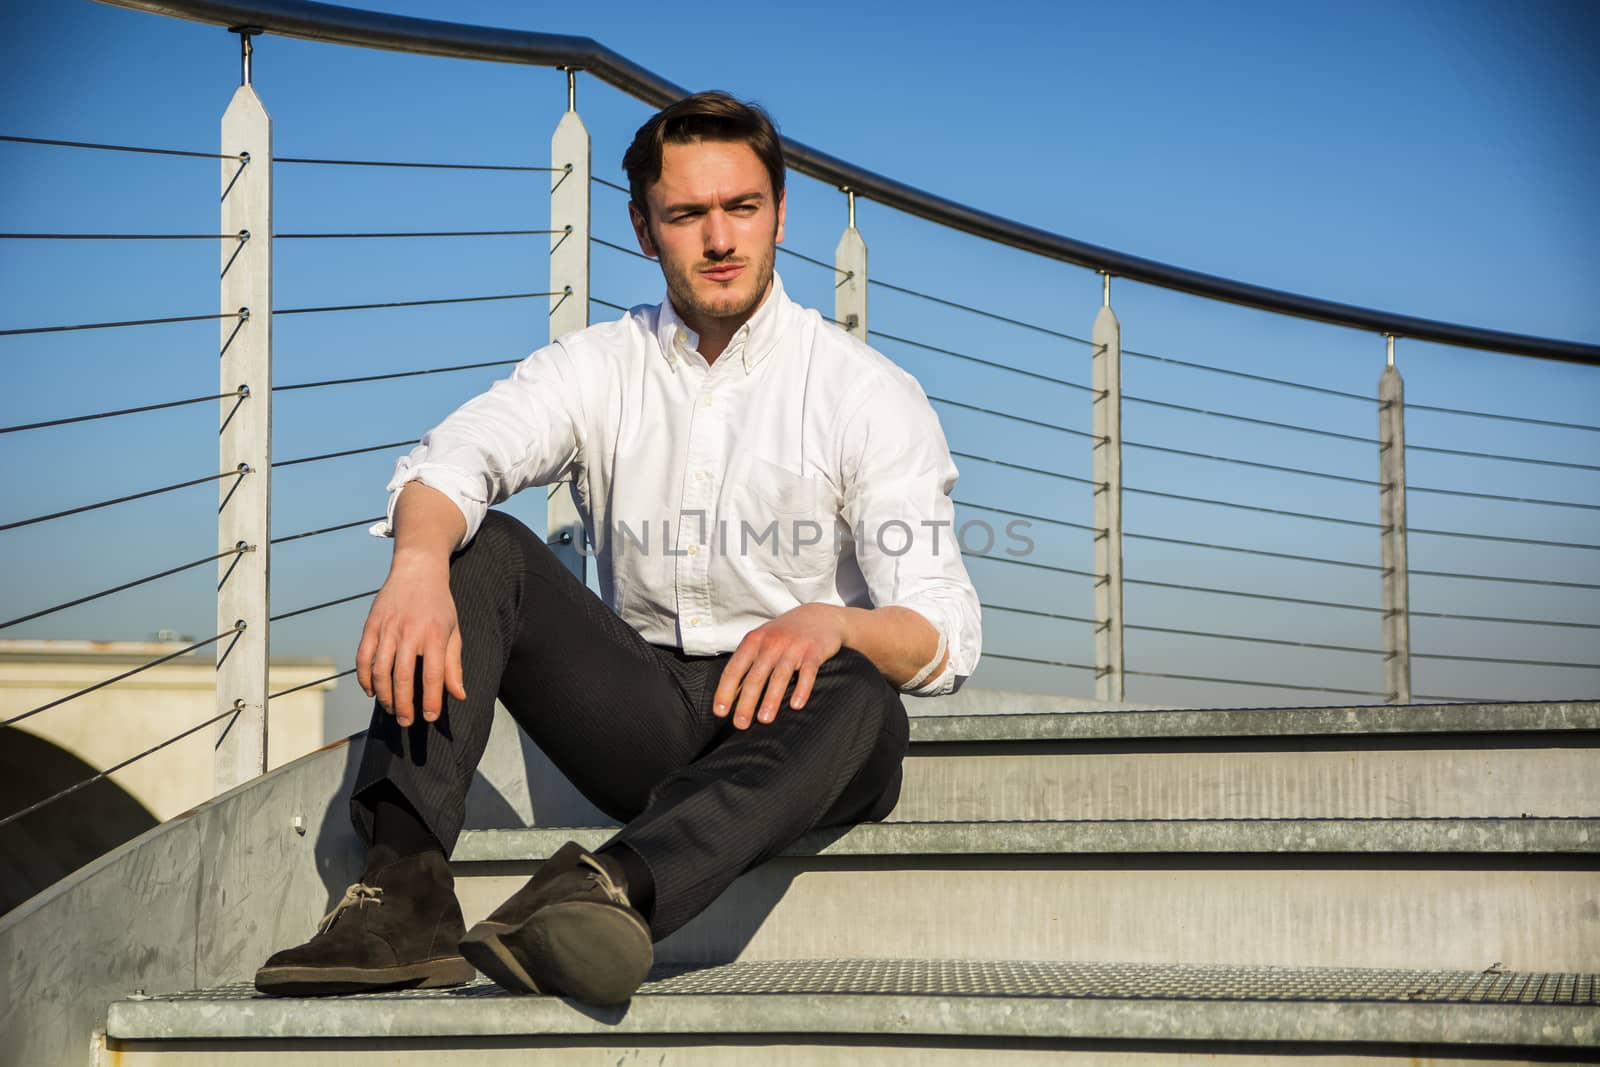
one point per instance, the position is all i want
(719, 240)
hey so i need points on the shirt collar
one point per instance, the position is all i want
(753, 341)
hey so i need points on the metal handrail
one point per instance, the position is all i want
(344, 25)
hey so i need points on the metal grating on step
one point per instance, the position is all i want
(1120, 981)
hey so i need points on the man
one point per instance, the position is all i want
(769, 501)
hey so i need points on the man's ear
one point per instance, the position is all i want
(641, 230)
(783, 202)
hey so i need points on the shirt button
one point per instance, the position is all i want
(701, 475)
(694, 550)
(694, 620)
(706, 401)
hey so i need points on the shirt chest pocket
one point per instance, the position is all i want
(779, 521)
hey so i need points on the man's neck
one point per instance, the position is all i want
(716, 333)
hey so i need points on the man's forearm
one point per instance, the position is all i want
(899, 641)
(427, 524)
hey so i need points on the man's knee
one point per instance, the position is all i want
(852, 681)
(499, 548)
(854, 670)
(498, 534)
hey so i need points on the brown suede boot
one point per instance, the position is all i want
(397, 928)
(569, 932)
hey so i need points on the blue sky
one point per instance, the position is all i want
(1435, 159)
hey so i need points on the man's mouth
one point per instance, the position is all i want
(723, 272)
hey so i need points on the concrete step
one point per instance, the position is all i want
(1458, 893)
(904, 1011)
(1479, 760)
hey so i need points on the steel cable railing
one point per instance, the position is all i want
(1411, 406)
(624, 249)
(1290, 686)
(409, 303)
(1058, 475)
(1253, 463)
(1519, 419)
(319, 607)
(1029, 516)
(1548, 582)
(1039, 661)
(1152, 489)
(1503, 538)
(1012, 562)
(393, 375)
(277, 463)
(239, 395)
(1504, 620)
(311, 684)
(341, 455)
(196, 646)
(242, 393)
(1251, 420)
(286, 538)
(123, 237)
(1036, 375)
(1059, 616)
(117, 325)
(240, 473)
(980, 312)
(1022, 419)
(1530, 460)
(179, 569)
(1236, 505)
(1250, 376)
(402, 165)
(844, 275)
(1279, 467)
(1362, 397)
(243, 158)
(1128, 443)
(17, 816)
(1443, 656)
(242, 315)
(420, 233)
(1468, 495)
(1295, 557)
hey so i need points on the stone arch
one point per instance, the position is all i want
(41, 848)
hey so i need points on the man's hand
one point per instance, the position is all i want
(801, 639)
(412, 616)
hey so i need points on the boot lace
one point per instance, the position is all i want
(355, 896)
(601, 877)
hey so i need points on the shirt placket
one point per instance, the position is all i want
(702, 474)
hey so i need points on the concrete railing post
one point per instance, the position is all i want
(1392, 513)
(850, 283)
(569, 288)
(244, 514)
(1106, 362)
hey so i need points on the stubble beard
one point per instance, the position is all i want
(725, 304)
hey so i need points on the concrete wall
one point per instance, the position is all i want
(111, 724)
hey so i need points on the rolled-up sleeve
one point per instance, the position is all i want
(898, 476)
(527, 429)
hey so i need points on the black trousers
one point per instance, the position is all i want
(630, 724)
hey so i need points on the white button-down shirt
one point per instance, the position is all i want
(800, 467)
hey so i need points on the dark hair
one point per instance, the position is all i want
(708, 116)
